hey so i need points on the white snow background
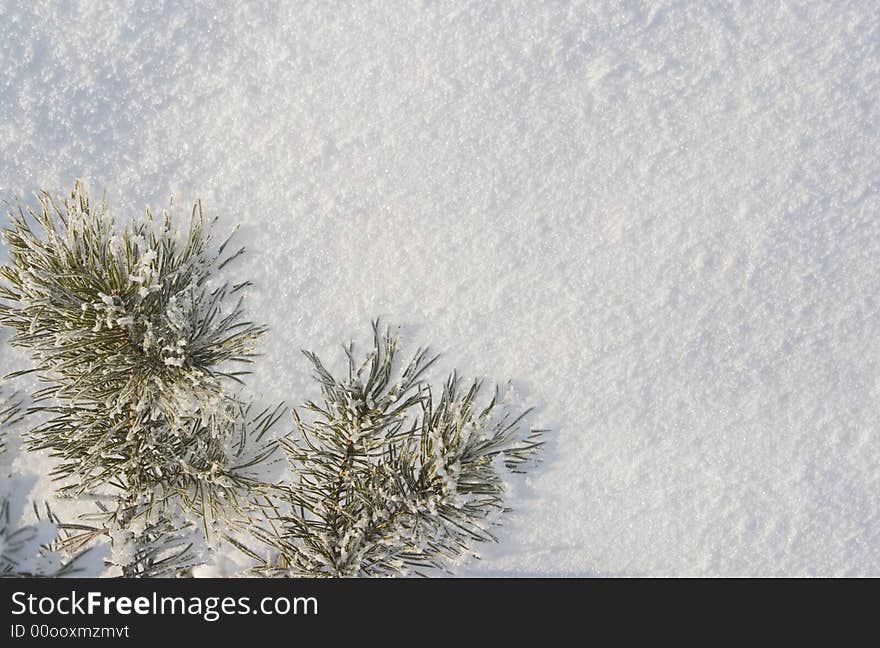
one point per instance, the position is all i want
(660, 220)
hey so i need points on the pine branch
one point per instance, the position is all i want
(392, 476)
(139, 347)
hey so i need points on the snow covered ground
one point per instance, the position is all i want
(659, 219)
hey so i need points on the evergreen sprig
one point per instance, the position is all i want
(137, 341)
(391, 475)
(139, 347)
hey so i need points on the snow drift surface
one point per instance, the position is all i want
(660, 219)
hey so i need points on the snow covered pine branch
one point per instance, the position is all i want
(137, 343)
(391, 476)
